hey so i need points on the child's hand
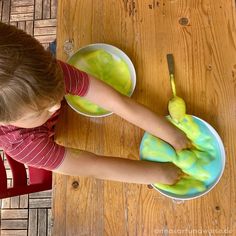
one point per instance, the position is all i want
(171, 173)
(180, 141)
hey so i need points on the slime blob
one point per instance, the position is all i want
(202, 163)
(106, 67)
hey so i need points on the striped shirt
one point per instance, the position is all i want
(35, 146)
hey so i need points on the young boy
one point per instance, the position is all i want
(32, 87)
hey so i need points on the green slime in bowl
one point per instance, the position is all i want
(106, 67)
(202, 163)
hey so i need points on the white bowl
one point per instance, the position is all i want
(116, 53)
(179, 198)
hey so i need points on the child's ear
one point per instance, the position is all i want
(54, 108)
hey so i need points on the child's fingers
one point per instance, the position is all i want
(184, 175)
(189, 145)
(180, 174)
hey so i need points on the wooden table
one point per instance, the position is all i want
(202, 37)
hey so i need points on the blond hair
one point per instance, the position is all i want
(29, 75)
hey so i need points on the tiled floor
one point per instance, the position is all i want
(29, 215)
(36, 17)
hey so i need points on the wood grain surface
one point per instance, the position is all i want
(202, 37)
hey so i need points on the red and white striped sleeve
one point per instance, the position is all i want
(32, 147)
(76, 81)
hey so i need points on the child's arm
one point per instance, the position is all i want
(82, 163)
(108, 98)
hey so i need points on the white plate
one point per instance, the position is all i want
(117, 54)
(222, 157)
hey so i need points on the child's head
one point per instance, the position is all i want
(31, 82)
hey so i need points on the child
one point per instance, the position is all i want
(32, 87)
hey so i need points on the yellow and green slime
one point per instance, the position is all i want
(106, 67)
(201, 163)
